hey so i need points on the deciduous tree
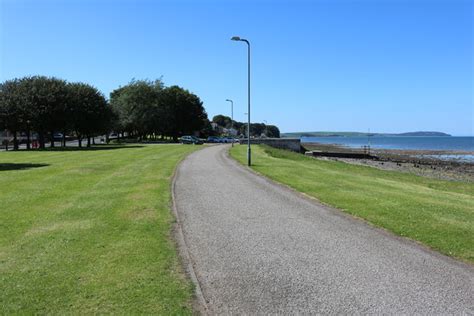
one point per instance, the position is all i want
(137, 107)
(88, 110)
(46, 99)
(182, 110)
(12, 111)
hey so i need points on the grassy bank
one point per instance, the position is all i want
(438, 213)
(89, 232)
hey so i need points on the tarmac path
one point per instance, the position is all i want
(256, 247)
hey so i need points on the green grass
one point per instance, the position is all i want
(88, 231)
(439, 214)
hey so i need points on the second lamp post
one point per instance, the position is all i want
(231, 118)
(236, 38)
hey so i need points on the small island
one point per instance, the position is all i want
(438, 134)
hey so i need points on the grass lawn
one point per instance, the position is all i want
(89, 232)
(437, 213)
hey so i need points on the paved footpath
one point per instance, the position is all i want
(259, 248)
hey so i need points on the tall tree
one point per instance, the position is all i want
(257, 129)
(272, 131)
(13, 116)
(222, 120)
(88, 111)
(46, 99)
(207, 129)
(137, 107)
(182, 111)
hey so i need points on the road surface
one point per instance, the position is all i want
(257, 247)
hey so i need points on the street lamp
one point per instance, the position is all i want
(246, 114)
(236, 38)
(231, 117)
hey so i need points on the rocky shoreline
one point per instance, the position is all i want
(419, 162)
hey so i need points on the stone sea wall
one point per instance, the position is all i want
(293, 144)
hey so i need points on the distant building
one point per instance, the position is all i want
(215, 126)
(230, 131)
(222, 130)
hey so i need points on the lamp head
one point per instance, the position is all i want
(228, 100)
(235, 38)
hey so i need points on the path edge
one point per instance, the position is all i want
(199, 304)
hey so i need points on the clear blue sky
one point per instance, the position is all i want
(387, 65)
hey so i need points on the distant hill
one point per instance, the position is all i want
(360, 134)
(423, 134)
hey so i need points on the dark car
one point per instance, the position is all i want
(190, 140)
(57, 136)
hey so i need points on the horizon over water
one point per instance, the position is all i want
(449, 143)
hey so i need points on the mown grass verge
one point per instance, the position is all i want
(439, 214)
(88, 231)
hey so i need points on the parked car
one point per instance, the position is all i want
(213, 139)
(228, 140)
(190, 140)
(58, 136)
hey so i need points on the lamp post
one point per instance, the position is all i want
(231, 117)
(246, 114)
(236, 38)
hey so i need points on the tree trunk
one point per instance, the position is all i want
(107, 139)
(64, 139)
(28, 139)
(93, 140)
(88, 141)
(41, 139)
(52, 139)
(15, 141)
(79, 140)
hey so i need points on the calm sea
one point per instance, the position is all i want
(397, 142)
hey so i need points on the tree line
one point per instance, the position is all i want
(256, 129)
(46, 105)
(148, 109)
(142, 109)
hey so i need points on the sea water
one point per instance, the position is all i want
(444, 143)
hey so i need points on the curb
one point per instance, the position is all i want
(183, 248)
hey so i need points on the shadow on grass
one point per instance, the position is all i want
(92, 148)
(20, 166)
